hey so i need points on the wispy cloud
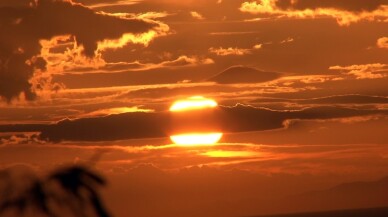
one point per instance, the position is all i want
(229, 51)
(382, 42)
(366, 71)
(30, 63)
(197, 15)
(293, 10)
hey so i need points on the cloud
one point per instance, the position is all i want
(23, 60)
(351, 130)
(348, 5)
(257, 46)
(288, 40)
(19, 139)
(102, 4)
(346, 99)
(136, 125)
(171, 92)
(103, 67)
(366, 71)
(229, 51)
(187, 61)
(236, 51)
(330, 100)
(382, 42)
(113, 127)
(345, 12)
(113, 111)
(232, 33)
(197, 15)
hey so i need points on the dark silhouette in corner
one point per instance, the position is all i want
(70, 191)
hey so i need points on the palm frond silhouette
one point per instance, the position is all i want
(70, 191)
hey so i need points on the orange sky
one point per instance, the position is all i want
(301, 88)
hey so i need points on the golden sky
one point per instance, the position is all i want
(296, 88)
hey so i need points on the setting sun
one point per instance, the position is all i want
(193, 103)
(189, 138)
(196, 139)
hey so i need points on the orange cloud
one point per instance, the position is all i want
(64, 53)
(343, 17)
(232, 33)
(26, 57)
(287, 40)
(181, 61)
(229, 51)
(110, 4)
(367, 71)
(197, 15)
(257, 46)
(111, 111)
(382, 42)
(127, 38)
(152, 15)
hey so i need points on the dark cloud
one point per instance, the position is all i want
(137, 125)
(337, 87)
(245, 118)
(113, 127)
(329, 100)
(353, 130)
(180, 10)
(18, 138)
(23, 26)
(176, 91)
(348, 5)
(346, 99)
(242, 74)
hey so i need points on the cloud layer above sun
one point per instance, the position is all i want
(30, 31)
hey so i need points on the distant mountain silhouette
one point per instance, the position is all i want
(370, 212)
(353, 195)
(242, 74)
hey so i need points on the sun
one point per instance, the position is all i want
(193, 103)
(194, 138)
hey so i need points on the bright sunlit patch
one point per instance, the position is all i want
(194, 139)
(112, 111)
(193, 103)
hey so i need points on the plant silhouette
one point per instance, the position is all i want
(69, 191)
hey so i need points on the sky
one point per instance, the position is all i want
(300, 86)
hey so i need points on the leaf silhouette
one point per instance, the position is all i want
(73, 189)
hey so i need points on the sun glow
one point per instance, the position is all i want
(193, 103)
(194, 139)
